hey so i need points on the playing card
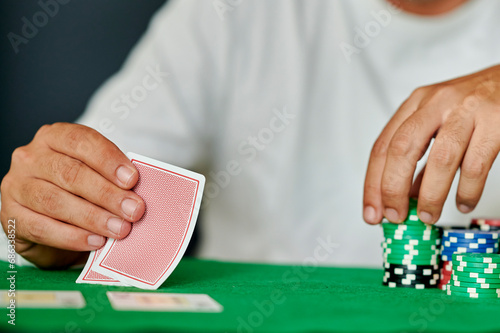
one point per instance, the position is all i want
(157, 242)
(130, 301)
(42, 299)
(90, 276)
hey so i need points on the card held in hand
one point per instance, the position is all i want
(157, 242)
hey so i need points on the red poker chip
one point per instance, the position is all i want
(495, 222)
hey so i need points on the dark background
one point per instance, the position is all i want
(52, 77)
(54, 74)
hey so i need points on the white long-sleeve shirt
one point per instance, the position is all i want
(278, 103)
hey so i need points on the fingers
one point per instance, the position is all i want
(444, 159)
(49, 200)
(93, 149)
(40, 229)
(407, 146)
(481, 153)
(372, 199)
(77, 178)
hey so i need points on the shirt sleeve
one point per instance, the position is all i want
(163, 102)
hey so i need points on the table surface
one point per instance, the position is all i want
(261, 298)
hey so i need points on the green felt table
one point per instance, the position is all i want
(261, 298)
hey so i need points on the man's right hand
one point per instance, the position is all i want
(67, 190)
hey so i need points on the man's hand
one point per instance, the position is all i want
(68, 190)
(463, 115)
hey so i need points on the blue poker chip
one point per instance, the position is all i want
(485, 241)
(449, 252)
(469, 245)
(470, 234)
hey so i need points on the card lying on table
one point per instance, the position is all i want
(163, 302)
(157, 242)
(38, 299)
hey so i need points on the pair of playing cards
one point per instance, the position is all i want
(157, 242)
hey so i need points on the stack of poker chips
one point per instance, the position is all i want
(485, 224)
(446, 271)
(468, 241)
(475, 275)
(411, 253)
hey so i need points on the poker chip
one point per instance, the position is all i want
(475, 264)
(408, 247)
(410, 267)
(485, 227)
(476, 275)
(477, 270)
(475, 280)
(470, 234)
(471, 245)
(476, 285)
(411, 253)
(494, 222)
(413, 242)
(485, 241)
(472, 295)
(478, 258)
(474, 290)
(415, 285)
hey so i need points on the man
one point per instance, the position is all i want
(278, 103)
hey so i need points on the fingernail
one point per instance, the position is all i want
(464, 208)
(115, 225)
(124, 174)
(370, 215)
(129, 206)
(425, 217)
(95, 241)
(391, 214)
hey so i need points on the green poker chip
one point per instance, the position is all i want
(408, 227)
(413, 242)
(477, 275)
(474, 264)
(476, 285)
(486, 258)
(474, 280)
(409, 247)
(477, 270)
(411, 252)
(417, 262)
(473, 290)
(472, 295)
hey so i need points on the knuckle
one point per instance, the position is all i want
(106, 194)
(390, 191)
(443, 157)
(419, 92)
(43, 130)
(90, 218)
(69, 170)
(474, 169)
(21, 155)
(380, 148)
(36, 232)
(400, 144)
(430, 199)
(46, 198)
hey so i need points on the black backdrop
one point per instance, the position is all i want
(57, 69)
